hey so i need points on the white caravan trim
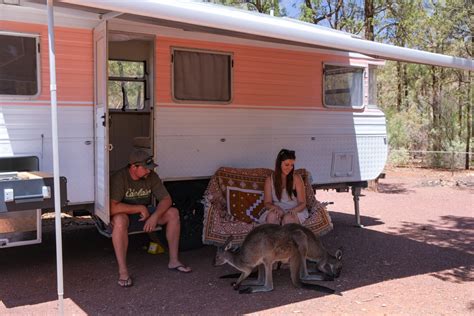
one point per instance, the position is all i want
(36, 13)
(101, 123)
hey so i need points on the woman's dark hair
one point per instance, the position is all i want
(283, 155)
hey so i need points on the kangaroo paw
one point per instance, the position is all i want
(235, 285)
(328, 277)
(317, 277)
(246, 290)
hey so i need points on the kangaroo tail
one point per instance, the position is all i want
(252, 275)
(320, 288)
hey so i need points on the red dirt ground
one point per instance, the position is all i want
(414, 256)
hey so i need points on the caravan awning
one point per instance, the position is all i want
(235, 21)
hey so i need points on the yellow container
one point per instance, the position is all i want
(155, 248)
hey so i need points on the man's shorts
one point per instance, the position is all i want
(135, 225)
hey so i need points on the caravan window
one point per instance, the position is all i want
(127, 85)
(372, 85)
(343, 86)
(19, 65)
(202, 76)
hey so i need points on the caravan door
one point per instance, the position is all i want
(101, 123)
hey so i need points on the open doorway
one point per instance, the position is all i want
(130, 95)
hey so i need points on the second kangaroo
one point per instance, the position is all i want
(271, 243)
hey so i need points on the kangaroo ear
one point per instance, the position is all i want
(228, 243)
(339, 254)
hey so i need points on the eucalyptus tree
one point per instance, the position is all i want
(262, 6)
(437, 98)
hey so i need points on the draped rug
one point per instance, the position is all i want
(233, 202)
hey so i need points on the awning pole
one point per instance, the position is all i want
(54, 126)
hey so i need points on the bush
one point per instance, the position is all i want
(399, 157)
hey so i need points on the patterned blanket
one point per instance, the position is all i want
(234, 201)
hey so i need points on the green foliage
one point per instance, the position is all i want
(124, 93)
(262, 6)
(399, 157)
(407, 130)
(341, 15)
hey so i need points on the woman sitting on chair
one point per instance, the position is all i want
(284, 194)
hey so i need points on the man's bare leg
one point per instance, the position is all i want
(171, 220)
(120, 224)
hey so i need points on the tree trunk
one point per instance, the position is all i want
(436, 110)
(468, 119)
(405, 84)
(399, 86)
(460, 105)
(369, 19)
(469, 98)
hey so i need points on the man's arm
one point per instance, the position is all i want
(124, 208)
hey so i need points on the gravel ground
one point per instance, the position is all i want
(415, 255)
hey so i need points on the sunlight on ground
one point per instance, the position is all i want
(46, 308)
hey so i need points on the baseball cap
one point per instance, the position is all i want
(142, 158)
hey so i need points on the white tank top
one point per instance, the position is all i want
(285, 202)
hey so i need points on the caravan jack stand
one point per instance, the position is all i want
(356, 188)
(356, 194)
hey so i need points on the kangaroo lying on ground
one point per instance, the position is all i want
(271, 243)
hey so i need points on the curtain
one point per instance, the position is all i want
(200, 76)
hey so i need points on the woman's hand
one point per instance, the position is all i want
(293, 212)
(278, 211)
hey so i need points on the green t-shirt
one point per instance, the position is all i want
(137, 192)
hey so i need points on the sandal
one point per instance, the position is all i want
(125, 282)
(181, 269)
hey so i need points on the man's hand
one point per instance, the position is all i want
(144, 214)
(151, 223)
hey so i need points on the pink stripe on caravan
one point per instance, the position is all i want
(263, 77)
(74, 62)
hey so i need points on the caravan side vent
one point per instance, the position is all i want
(342, 164)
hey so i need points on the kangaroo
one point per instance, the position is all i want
(271, 243)
(330, 265)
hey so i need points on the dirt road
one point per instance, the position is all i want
(414, 256)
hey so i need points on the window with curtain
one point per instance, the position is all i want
(19, 74)
(202, 76)
(343, 86)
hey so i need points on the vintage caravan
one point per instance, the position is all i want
(201, 86)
